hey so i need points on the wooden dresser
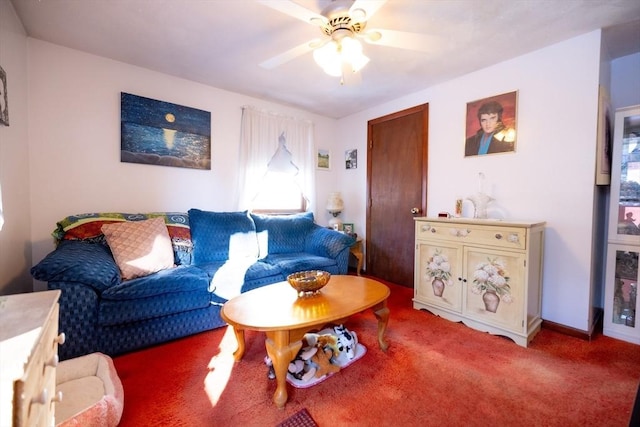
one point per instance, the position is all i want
(28, 358)
(484, 273)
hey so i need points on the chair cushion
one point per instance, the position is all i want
(139, 247)
(282, 233)
(218, 236)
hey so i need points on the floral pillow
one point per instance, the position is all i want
(139, 247)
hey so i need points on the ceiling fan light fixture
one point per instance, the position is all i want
(352, 54)
(335, 55)
(358, 62)
(329, 59)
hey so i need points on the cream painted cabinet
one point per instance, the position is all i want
(621, 303)
(484, 273)
(28, 358)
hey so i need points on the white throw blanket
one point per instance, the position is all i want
(228, 280)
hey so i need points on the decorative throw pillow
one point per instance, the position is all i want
(139, 247)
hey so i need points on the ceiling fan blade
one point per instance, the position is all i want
(293, 9)
(291, 54)
(370, 7)
(401, 39)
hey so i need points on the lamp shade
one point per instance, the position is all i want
(335, 203)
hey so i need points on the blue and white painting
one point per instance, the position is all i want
(161, 133)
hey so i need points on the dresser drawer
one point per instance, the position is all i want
(486, 235)
(36, 389)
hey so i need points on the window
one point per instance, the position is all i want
(278, 162)
(279, 194)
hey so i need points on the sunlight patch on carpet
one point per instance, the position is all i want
(220, 367)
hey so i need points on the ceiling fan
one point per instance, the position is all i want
(343, 23)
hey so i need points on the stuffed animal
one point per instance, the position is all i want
(347, 344)
(322, 353)
(322, 341)
(314, 358)
(322, 359)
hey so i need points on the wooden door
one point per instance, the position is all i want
(396, 190)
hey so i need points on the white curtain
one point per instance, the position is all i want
(259, 137)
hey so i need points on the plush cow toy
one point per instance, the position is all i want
(347, 344)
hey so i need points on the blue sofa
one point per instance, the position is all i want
(217, 255)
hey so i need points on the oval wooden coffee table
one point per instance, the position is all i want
(285, 318)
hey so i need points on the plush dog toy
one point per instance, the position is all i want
(322, 358)
(314, 358)
(322, 341)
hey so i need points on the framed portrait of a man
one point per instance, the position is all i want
(491, 125)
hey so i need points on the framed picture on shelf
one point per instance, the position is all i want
(323, 159)
(347, 227)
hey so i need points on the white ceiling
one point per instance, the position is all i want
(222, 42)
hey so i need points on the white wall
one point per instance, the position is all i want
(625, 81)
(550, 177)
(74, 159)
(74, 111)
(15, 242)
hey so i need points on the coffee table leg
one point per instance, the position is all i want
(240, 339)
(281, 352)
(382, 314)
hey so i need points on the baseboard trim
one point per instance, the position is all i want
(596, 328)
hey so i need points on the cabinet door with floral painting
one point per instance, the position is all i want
(439, 275)
(494, 287)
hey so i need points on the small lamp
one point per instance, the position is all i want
(335, 205)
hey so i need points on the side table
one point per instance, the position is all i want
(356, 251)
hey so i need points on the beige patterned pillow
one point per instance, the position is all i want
(139, 247)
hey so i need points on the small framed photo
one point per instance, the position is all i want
(351, 159)
(323, 159)
(347, 228)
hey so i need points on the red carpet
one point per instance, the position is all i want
(435, 373)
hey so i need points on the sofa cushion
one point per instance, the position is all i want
(230, 278)
(219, 236)
(282, 233)
(87, 227)
(301, 261)
(79, 262)
(139, 247)
(163, 293)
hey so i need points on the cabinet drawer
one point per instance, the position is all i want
(488, 235)
(34, 391)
